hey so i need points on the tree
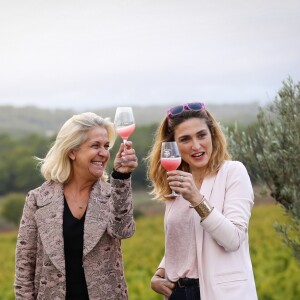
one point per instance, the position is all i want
(18, 168)
(12, 207)
(270, 151)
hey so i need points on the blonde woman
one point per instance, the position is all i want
(69, 241)
(206, 226)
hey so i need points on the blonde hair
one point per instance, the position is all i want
(165, 132)
(56, 166)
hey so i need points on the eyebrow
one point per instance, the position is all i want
(97, 142)
(198, 132)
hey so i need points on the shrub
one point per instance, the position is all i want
(12, 207)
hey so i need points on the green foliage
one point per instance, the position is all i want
(12, 207)
(7, 263)
(276, 271)
(18, 169)
(29, 132)
(270, 150)
(21, 121)
(142, 253)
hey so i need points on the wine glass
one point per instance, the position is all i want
(170, 159)
(124, 122)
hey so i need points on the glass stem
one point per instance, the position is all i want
(124, 142)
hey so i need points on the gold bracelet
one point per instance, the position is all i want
(203, 208)
(202, 199)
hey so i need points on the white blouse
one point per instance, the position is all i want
(181, 250)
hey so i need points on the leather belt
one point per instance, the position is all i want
(186, 282)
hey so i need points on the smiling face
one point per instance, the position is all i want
(195, 143)
(90, 160)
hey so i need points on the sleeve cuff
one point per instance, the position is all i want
(118, 175)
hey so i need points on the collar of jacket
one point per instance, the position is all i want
(49, 219)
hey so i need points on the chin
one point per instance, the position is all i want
(96, 176)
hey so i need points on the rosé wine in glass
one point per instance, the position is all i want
(124, 122)
(125, 131)
(171, 163)
(170, 159)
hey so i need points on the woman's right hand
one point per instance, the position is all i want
(162, 286)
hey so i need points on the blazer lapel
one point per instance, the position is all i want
(206, 190)
(49, 219)
(97, 216)
(207, 187)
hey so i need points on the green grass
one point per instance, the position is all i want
(276, 271)
(142, 253)
(7, 261)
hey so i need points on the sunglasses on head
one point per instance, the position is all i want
(177, 110)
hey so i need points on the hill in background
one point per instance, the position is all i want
(28, 119)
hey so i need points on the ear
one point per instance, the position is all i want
(71, 155)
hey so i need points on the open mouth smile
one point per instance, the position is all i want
(200, 154)
(98, 163)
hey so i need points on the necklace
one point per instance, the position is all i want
(78, 203)
(75, 200)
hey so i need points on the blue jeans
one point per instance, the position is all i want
(186, 293)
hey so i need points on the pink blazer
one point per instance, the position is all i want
(224, 264)
(40, 262)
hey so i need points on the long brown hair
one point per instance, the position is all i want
(165, 132)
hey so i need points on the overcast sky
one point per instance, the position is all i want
(101, 53)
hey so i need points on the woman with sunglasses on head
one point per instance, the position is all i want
(206, 226)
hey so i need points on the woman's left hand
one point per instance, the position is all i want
(126, 160)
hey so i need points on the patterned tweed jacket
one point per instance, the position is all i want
(40, 264)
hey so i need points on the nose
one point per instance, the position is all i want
(195, 144)
(102, 151)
